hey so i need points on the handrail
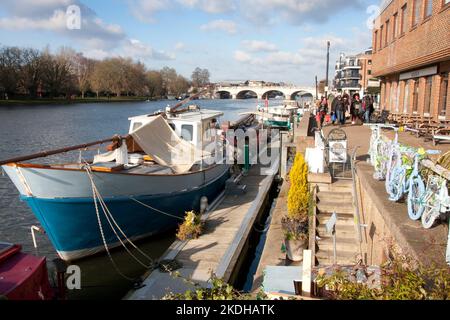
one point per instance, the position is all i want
(356, 213)
(44, 154)
(312, 228)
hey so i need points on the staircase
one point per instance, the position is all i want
(336, 197)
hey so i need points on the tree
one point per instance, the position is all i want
(154, 84)
(83, 68)
(200, 77)
(180, 86)
(10, 66)
(169, 77)
(57, 74)
(31, 71)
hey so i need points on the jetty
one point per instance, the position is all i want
(228, 223)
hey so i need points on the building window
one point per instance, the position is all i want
(404, 19)
(395, 27)
(381, 37)
(369, 62)
(428, 89)
(375, 41)
(386, 41)
(416, 17)
(416, 96)
(406, 97)
(443, 95)
(369, 72)
(428, 8)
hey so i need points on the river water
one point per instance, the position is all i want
(26, 130)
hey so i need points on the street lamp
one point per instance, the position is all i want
(328, 66)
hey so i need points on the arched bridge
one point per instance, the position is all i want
(260, 92)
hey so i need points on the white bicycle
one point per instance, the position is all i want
(436, 201)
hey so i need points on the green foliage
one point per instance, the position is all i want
(400, 281)
(191, 228)
(298, 196)
(218, 290)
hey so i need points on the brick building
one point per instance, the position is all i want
(411, 56)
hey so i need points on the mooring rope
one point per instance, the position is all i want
(110, 217)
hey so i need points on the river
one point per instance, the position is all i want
(26, 130)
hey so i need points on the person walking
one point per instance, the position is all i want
(355, 108)
(323, 110)
(340, 110)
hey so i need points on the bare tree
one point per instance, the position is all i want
(200, 77)
(10, 65)
(154, 84)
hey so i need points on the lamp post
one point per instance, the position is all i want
(317, 95)
(328, 66)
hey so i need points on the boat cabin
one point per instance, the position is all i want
(192, 125)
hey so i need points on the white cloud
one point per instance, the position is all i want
(145, 9)
(242, 56)
(180, 46)
(220, 25)
(210, 6)
(294, 11)
(137, 50)
(258, 46)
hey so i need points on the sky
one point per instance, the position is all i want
(270, 40)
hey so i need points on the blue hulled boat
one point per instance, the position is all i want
(147, 181)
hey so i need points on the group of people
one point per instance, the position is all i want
(343, 105)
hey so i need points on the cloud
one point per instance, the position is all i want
(258, 46)
(180, 46)
(220, 25)
(242, 56)
(210, 6)
(139, 51)
(296, 12)
(50, 15)
(144, 10)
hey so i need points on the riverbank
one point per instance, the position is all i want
(60, 101)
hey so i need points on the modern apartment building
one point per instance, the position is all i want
(354, 74)
(411, 56)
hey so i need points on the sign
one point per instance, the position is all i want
(338, 151)
(331, 223)
(419, 73)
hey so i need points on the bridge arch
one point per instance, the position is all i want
(224, 94)
(247, 94)
(301, 94)
(272, 94)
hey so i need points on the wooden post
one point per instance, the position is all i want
(307, 270)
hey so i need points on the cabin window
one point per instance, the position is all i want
(172, 126)
(187, 132)
(137, 125)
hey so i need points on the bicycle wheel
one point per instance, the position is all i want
(396, 184)
(394, 162)
(415, 194)
(429, 217)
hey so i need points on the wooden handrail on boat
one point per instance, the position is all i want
(44, 154)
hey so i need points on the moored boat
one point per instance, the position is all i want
(22, 276)
(143, 186)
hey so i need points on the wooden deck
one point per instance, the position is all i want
(227, 227)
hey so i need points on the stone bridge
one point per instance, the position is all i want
(241, 92)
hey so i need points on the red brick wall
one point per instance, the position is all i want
(423, 44)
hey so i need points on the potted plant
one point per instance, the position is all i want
(295, 224)
(191, 228)
(295, 238)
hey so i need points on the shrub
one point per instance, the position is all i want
(399, 281)
(298, 196)
(191, 228)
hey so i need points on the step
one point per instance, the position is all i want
(341, 221)
(330, 196)
(340, 207)
(348, 239)
(341, 247)
(345, 231)
(326, 257)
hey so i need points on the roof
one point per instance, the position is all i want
(194, 115)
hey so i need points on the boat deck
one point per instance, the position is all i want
(228, 224)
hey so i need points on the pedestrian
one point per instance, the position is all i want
(340, 110)
(323, 110)
(369, 109)
(355, 108)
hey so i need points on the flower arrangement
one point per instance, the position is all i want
(191, 228)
